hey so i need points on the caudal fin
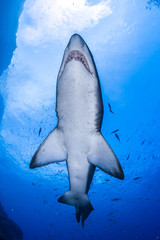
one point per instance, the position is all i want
(81, 202)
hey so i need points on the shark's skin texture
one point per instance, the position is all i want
(77, 137)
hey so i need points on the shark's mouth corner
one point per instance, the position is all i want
(78, 56)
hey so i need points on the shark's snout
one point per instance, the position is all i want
(75, 42)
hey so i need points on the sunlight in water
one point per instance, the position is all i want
(124, 39)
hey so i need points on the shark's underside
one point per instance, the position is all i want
(77, 137)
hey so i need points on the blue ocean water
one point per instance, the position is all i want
(126, 48)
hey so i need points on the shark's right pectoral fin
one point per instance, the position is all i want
(102, 156)
(50, 151)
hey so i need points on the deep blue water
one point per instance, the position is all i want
(128, 64)
(10, 12)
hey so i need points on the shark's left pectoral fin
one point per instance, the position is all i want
(102, 156)
(50, 151)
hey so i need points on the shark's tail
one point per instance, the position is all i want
(81, 203)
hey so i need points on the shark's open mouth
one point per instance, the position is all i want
(78, 56)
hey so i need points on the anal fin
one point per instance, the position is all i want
(50, 151)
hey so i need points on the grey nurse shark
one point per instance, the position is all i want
(77, 137)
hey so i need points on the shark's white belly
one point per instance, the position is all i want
(79, 103)
(79, 110)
